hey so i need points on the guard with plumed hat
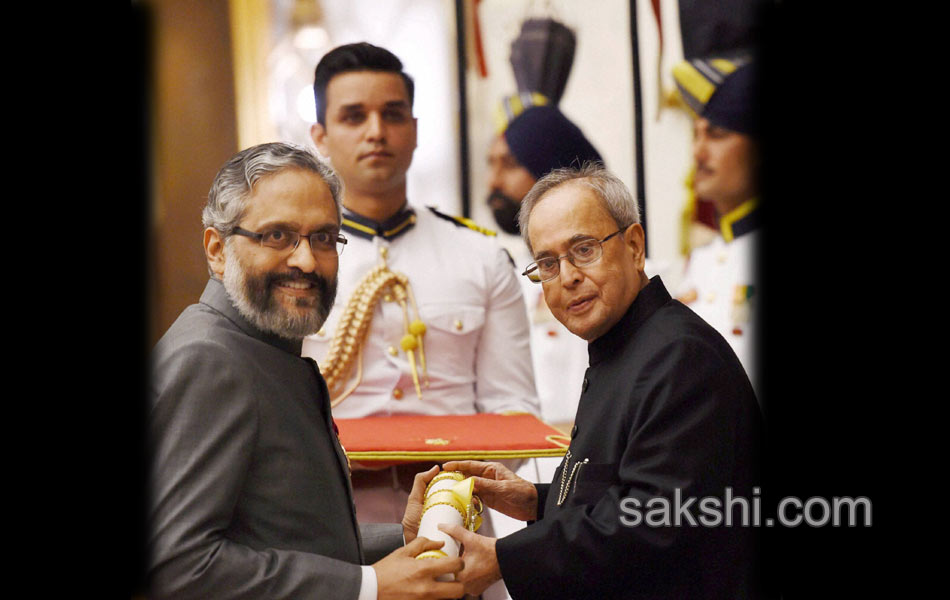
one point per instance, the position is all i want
(720, 281)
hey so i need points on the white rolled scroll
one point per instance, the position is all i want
(449, 499)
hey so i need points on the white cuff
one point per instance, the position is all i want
(368, 584)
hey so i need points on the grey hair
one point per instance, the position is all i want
(617, 199)
(234, 183)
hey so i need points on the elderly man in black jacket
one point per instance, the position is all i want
(667, 418)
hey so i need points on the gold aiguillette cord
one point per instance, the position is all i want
(346, 346)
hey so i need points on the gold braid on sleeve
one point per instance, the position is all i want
(346, 346)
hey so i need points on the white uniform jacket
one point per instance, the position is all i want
(476, 345)
(720, 283)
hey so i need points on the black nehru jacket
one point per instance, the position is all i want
(665, 406)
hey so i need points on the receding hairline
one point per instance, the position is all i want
(582, 183)
(613, 194)
(302, 170)
(585, 182)
(239, 179)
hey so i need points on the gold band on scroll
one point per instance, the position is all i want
(456, 475)
(446, 497)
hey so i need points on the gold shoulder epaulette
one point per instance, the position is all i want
(463, 222)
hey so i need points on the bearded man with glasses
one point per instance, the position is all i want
(250, 492)
(666, 411)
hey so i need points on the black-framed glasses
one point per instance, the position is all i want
(279, 239)
(581, 254)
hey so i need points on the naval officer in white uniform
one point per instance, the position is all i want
(430, 317)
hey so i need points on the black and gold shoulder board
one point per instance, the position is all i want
(463, 222)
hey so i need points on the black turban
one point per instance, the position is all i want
(542, 139)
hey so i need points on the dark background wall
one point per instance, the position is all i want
(193, 131)
(184, 128)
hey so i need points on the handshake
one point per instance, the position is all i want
(443, 556)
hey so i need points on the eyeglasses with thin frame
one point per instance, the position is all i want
(279, 239)
(581, 254)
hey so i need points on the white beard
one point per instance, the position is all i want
(271, 317)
